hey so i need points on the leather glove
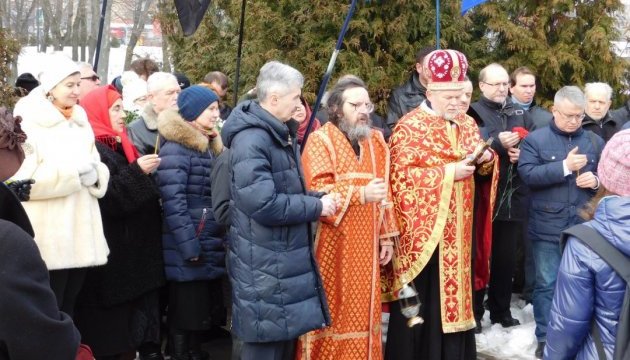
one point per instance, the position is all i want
(89, 178)
(21, 188)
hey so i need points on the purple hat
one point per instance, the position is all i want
(614, 165)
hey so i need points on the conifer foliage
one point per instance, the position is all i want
(565, 42)
(9, 50)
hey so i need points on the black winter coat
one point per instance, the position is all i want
(132, 218)
(405, 98)
(554, 198)
(31, 325)
(623, 113)
(276, 286)
(605, 128)
(184, 181)
(496, 118)
(539, 116)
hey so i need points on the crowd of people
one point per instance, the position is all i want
(150, 198)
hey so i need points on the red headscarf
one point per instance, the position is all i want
(96, 104)
(304, 124)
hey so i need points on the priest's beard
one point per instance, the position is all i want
(357, 131)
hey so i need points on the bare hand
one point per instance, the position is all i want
(387, 251)
(487, 156)
(375, 190)
(509, 139)
(574, 160)
(148, 163)
(329, 205)
(462, 170)
(514, 153)
(588, 180)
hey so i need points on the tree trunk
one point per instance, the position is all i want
(140, 16)
(76, 29)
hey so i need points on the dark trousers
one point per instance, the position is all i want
(505, 235)
(66, 284)
(427, 341)
(277, 350)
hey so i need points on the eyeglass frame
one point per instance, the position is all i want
(579, 117)
(498, 84)
(93, 78)
(369, 107)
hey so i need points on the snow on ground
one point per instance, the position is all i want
(518, 342)
(32, 61)
(496, 342)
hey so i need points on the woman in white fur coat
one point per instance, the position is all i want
(69, 179)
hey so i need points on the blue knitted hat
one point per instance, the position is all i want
(193, 100)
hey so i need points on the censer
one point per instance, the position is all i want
(407, 295)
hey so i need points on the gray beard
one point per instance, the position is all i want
(356, 132)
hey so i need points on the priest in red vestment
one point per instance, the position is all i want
(349, 158)
(433, 191)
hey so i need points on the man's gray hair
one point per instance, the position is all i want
(572, 94)
(157, 80)
(336, 98)
(494, 66)
(589, 88)
(275, 76)
(83, 64)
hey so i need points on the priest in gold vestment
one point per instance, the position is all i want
(349, 158)
(433, 191)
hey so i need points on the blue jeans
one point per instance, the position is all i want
(547, 257)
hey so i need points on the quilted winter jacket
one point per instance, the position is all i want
(554, 198)
(184, 181)
(588, 288)
(277, 292)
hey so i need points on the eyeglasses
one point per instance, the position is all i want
(578, 117)
(93, 78)
(369, 107)
(499, 84)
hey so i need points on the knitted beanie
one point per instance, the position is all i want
(194, 100)
(58, 67)
(614, 165)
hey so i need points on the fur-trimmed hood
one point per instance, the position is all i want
(173, 127)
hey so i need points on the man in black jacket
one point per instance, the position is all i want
(495, 112)
(523, 90)
(598, 119)
(409, 95)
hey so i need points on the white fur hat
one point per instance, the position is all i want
(133, 88)
(58, 67)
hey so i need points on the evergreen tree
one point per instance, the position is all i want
(565, 42)
(9, 50)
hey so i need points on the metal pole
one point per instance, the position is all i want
(100, 35)
(437, 24)
(239, 52)
(331, 65)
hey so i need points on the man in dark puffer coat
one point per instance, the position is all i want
(277, 291)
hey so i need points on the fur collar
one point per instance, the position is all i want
(150, 117)
(173, 127)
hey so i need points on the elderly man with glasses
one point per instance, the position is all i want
(89, 79)
(558, 163)
(348, 158)
(495, 112)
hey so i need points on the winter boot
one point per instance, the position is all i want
(179, 344)
(194, 347)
